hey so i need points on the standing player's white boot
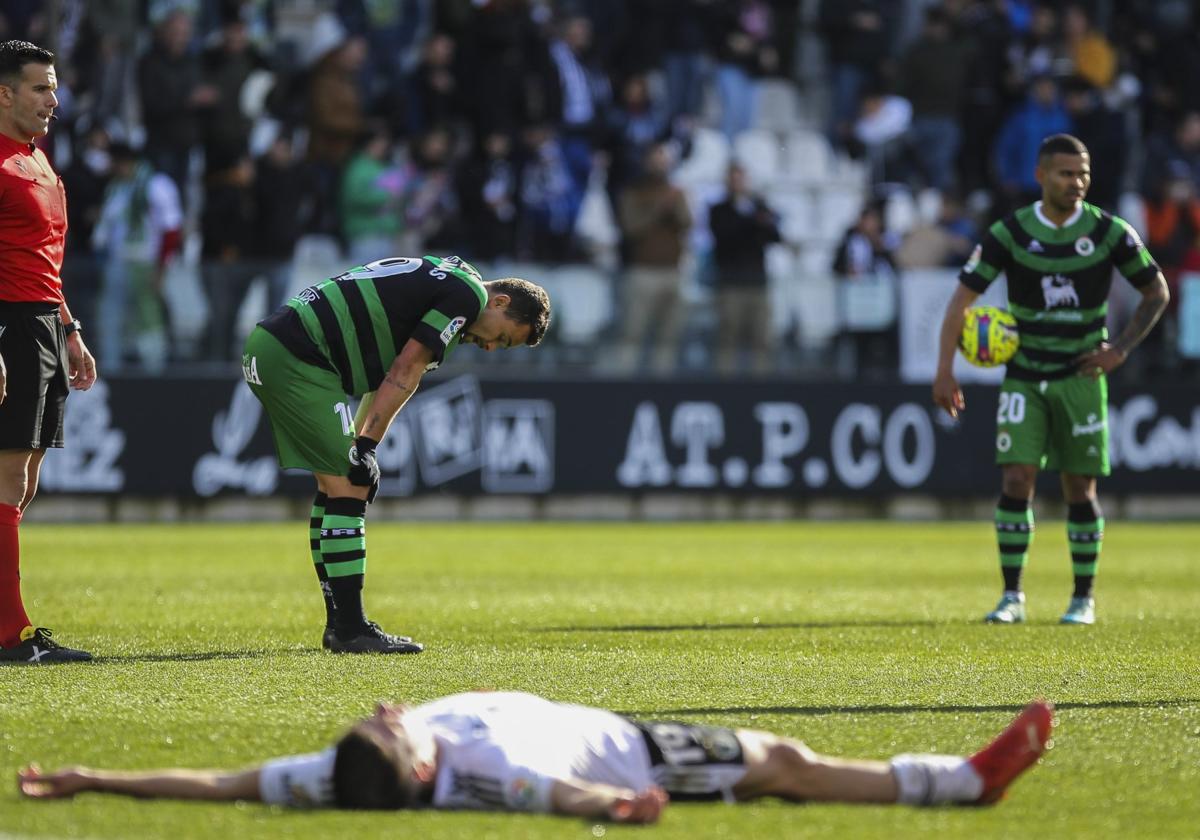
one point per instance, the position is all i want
(1080, 611)
(1010, 610)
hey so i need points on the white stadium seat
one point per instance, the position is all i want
(708, 161)
(760, 152)
(808, 157)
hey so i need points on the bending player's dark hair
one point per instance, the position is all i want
(366, 777)
(1061, 144)
(529, 304)
(14, 55)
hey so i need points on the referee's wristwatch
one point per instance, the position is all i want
(72, 327)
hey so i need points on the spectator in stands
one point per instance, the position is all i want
(429, 198)
(1016, 149)
(280, 212)
(867, 251)
(434, 95)
(395, 34)
(742, 227)
(585, 99)
(743, 52)
(1102, 129)
(109, 63)
(85, 181)
(225, 66)
(371, 199)
(655, 220)
(228, 229)
(171, 89)
(931, 78)
(686, 54)
(985, 27)
(505, 61)
(857, 40)
(489, 196)
(945, 243)
(1038, 53)
(1173, 231)
(138, 232)
(545, 228)
(1168, 153)
(1092, 56)
(336, 108)
(880, 134)
(636, 122)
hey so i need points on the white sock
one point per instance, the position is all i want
(934, 779)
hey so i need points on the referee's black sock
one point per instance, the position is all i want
(344, 553)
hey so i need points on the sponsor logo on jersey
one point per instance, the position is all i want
(973, 260)
(1084, 246)
(1035, 247)
(452, 329)
(1003, 442)
(1059, 291)
(1091, 427)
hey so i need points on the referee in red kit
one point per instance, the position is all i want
(41, 349)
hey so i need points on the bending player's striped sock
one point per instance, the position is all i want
(344, 555)
(1085, 533)
(314, 544)
(1014, 533)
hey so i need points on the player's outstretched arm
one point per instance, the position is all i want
(213, 785)
(946, 392)
(583, 799)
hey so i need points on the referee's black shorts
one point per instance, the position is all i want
(34, 348)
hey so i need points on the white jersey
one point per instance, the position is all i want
(505, 750)
(496, 751)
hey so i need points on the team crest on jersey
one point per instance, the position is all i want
(452, 329)
(1084, 246)
(1003, 442)
(973, 260)
(1059, 291)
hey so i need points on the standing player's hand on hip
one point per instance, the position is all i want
(81, 364)
(1100, 361)
(947, 394)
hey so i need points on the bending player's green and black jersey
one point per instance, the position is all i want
(356, 323)
(1058, 282)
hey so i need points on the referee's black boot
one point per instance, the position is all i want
(37, 648)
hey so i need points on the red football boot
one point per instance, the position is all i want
(1014, 750)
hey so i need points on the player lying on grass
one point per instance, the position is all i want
(375, 329)
(520, 752)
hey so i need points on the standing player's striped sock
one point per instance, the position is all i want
(1085, 533)
(1014, 533)
(344, 554)
(314, 544)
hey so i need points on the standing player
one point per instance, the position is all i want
(509, 751)
(41, 349)
(1058, 256)
(376, 328)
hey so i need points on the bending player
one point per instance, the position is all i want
(520, 752)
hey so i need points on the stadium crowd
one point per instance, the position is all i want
(682, 166)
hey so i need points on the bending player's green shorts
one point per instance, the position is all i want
(1060, 424)
(312, 421)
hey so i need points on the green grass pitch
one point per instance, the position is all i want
(862, 638)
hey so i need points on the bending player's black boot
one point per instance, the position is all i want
(369, 638)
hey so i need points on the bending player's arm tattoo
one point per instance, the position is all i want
(1154, 301)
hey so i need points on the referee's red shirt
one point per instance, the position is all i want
(33, 224)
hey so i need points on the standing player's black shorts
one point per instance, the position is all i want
(34, 348)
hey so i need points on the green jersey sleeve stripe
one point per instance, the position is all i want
(345, 325)
(987, 272)
(383, 330)
(1003, 236)
(435, 319)
(1142, 261)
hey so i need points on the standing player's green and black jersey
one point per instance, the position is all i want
(1058, 282)
(340, 337)
(355, 324)
(1059, 279)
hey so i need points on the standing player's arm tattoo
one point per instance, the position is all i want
(399, 383)
(1155, 297)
